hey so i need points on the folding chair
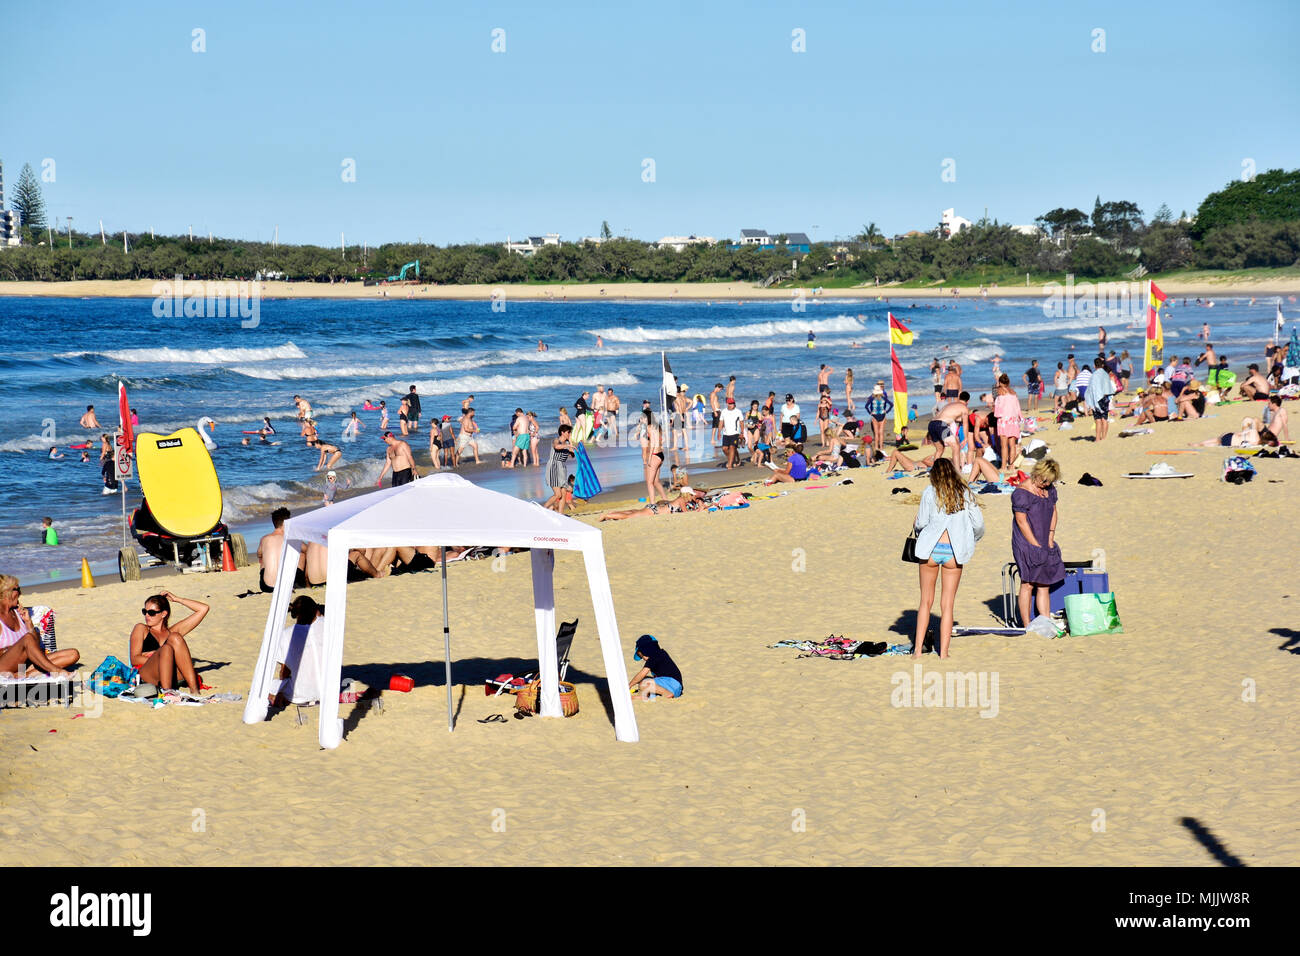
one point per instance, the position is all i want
(563, 642)
(1073, 584)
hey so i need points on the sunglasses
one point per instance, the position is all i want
(150, 611)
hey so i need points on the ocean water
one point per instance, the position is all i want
(65, 354)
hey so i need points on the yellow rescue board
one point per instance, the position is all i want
(179, 481)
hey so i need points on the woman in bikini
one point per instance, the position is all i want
(948, 523)
(848, 391)
(158, 647)
(654, 459)
(685, 502)
(20, 644)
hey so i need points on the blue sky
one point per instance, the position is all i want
(453, 142)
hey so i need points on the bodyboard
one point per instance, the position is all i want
(179, 481)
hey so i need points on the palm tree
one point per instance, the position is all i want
(870, 235)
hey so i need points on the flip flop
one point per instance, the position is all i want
(494, 719)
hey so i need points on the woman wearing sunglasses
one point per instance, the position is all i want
(158, 648)
(20, 645)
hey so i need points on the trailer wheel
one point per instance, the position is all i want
(239, 550)
(128, 565)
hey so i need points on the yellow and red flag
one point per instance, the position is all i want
(900, 392)
(1155, 339)
(899, 334)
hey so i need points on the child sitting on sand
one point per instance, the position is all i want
(659, 676)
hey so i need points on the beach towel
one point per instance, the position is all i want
(585, 484)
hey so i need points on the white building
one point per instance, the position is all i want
(953, 223)
(678, 243)
(9, 224)
(1033, 231)
(530, 245)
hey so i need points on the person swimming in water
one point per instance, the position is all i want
(352, 428)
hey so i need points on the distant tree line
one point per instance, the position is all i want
(1244, 225)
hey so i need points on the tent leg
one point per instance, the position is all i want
(446, 642)
(330, 731)
(615, 669)
(548, 667)
(255, 708)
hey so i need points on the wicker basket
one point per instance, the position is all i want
(526, 698)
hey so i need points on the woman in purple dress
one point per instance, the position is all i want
(1033, 538)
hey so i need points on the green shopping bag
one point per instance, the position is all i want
(1092, 614)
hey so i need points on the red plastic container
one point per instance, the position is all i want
(401, 682)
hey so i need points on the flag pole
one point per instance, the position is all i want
(446, 641)
(663, 397)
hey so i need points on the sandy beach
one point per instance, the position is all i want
(643, 291)
(1100, 752)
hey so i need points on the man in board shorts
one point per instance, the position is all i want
(399, 460)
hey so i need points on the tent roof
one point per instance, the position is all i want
(440, 509)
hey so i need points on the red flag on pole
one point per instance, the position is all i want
(900, 392)
(124, 414)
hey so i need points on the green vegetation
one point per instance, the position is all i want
(27, 200)
(1246, 225)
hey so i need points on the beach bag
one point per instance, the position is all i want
(1092, 614)
(112, 677)
(1237, 470)
(909, 548)
(527, 698)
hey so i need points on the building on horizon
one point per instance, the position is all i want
(950, 224)
(530, 245)
(764, 240)
(678, 243)
(10, 232)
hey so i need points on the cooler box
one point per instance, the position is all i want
(1078, 580)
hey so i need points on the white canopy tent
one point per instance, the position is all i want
(441, 510)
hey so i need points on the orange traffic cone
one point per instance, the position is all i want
(227, 559)
(86, 580)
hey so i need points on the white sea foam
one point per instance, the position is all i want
(1053, 325)
(346, 401)
(216, 356)
(840, 323)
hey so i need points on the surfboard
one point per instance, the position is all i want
(179, 481)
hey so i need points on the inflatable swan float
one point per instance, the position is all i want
(203, 424)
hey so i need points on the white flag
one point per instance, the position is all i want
(670, 382)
